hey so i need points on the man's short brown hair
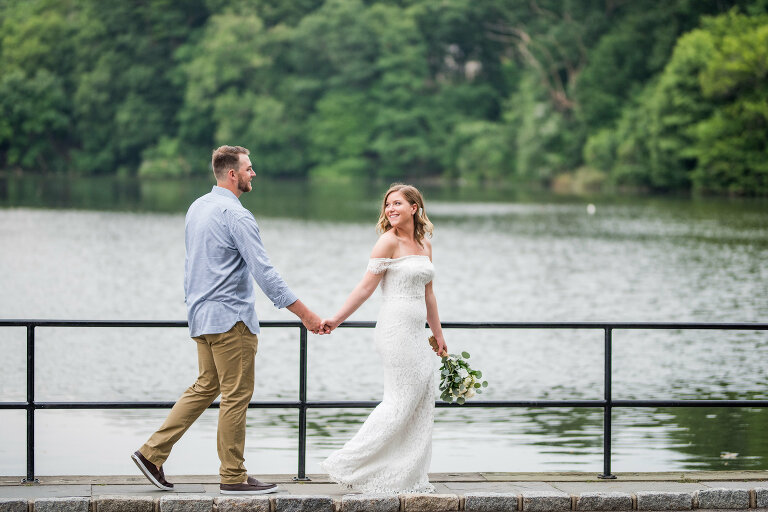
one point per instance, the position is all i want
(225, 158)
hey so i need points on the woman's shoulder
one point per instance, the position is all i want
(385, 246)
(427, 247)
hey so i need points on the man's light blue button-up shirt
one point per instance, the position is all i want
(224, 250)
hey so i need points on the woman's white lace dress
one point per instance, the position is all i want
(392, 450)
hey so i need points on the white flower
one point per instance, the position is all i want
(457, 382)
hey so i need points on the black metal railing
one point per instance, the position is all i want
(607, 403)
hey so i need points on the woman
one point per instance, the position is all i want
(392, 450)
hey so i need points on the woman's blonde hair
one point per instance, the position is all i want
(422, 225)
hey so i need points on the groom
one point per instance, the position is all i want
(224, 255)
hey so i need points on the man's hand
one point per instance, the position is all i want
(313, 323)
(310, 320)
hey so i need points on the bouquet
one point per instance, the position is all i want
(459, 381)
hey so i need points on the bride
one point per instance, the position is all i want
(392, 450)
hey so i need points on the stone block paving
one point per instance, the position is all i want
(761, 497)
(664, 500)
(76, 504)
(124, 503)
(591, 500)
(454, 493)
(305, 503)
(491, 502)
(723, 498)
(13, 505)
(543, 501)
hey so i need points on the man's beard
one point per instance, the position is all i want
(243, 185)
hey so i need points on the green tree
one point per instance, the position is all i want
(125, 99)
(37, 51)
(340, 132)
(731, 145)
(401, 126)
(665, 96)
(703, 123)
(33, 120)
(229, 100)
(482, 151)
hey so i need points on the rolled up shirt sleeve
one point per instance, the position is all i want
(245, 233)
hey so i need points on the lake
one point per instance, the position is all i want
(106, 248)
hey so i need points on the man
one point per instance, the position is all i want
(224, 253)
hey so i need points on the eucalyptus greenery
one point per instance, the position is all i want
(458, 381)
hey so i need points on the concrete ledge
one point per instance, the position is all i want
(664, 500)
(604, 501)
(303, 503)
(430, 502)
(125, 504)
(191, 503)
(62, 505)
(490, 502)
(370, 503)
(723, 498)
(546, 501)
(13, 505)
(241, 504)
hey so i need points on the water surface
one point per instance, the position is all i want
(112, 249)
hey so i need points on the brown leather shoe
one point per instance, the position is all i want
(151, 471)
(253, 486)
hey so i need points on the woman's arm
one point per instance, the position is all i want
(384, 248)
(433, 319)
(360, 294)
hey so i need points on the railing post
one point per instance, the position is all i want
(30, 406)
(607, 408)
(302, 405)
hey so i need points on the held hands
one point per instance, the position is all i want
(310, 320)
(314, 324)
(329, 324)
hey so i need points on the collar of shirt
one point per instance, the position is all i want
(221, 191)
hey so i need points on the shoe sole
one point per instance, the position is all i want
(263, 491)
(147, 474)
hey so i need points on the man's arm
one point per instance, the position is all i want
(245, 233)
(310, 320)
(247, 240)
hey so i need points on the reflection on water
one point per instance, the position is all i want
(113, 248)
(291, 199)
(713, 438)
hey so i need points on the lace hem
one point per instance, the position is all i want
(378, 488)
(378, 265)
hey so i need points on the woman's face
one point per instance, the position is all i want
(398, 210)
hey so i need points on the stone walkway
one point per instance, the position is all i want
(469, 492)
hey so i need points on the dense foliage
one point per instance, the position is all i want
(646, 94)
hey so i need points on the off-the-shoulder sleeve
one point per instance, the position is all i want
(378, 265)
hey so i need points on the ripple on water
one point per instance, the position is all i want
(497, 262)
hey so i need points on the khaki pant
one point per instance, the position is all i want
(226, 364)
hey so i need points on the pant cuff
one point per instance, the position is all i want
(152, 455)
(234, 480)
